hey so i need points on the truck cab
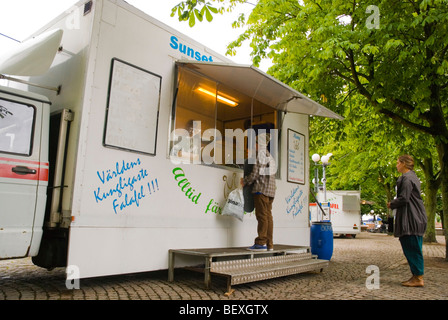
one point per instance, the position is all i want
(32, 159)
(24, 171)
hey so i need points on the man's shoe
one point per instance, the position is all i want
(258, 247)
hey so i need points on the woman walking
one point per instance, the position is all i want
(410, 219)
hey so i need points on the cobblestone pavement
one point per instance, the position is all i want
(344, 279)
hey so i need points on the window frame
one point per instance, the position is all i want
(33, 128)
(108, 144)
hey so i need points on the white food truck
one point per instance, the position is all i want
(92, 109)
(342, 208)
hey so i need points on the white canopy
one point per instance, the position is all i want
(260, 86)
(32, 57)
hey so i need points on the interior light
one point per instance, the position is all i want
(219, 97)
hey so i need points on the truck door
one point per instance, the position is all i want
(23, 175)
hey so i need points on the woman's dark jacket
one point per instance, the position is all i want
(410, 218)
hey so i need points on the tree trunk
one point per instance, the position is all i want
(431, 188)
(387, 189)
(442, 149)
(389, 197)
(431, 206)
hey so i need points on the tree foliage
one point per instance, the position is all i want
(190, 10)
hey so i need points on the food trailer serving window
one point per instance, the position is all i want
(210, 120)
(212, 97)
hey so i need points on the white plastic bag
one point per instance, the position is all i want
(235, 204)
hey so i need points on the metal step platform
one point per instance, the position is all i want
(240, 265)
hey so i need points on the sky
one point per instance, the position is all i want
(20, 18)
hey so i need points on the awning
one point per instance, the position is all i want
(32, 57)
(260, 86)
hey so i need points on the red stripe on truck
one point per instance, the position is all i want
(8, 164)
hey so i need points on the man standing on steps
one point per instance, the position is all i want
(262, 180)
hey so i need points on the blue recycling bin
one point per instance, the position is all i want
(322, 239)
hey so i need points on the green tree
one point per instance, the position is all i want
(364, 157)
(400, 68)
(365, 151)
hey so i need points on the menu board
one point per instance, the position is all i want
(296, 157)
(133, 108)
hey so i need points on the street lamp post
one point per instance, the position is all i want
(321, 232)
(325, 162)
(316, 159)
